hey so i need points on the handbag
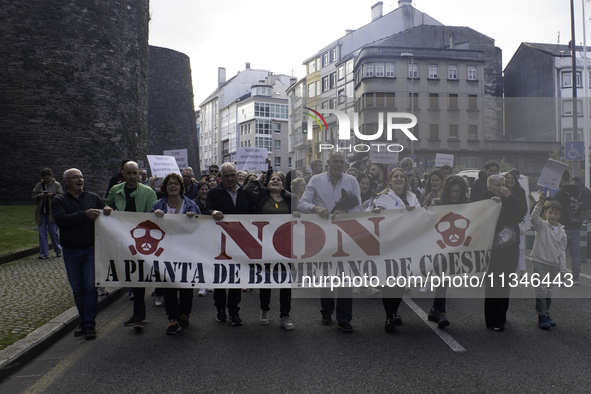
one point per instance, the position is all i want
(505, 237)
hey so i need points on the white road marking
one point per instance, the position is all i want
(452, 343)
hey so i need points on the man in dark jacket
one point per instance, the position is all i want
(75, 212)
(479, 186)
(574, 203)
(227, 198)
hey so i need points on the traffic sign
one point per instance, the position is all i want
(413, 157)
(574, 150)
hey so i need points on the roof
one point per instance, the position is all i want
(553, 49)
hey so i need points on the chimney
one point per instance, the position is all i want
(404, 2)
(452, 42)
(221, 76)
(377, 10)
(247, 65)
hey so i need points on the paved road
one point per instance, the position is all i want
(218, 358)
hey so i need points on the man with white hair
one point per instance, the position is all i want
(227, 198)
(191, 191)
(75, 212)
(321, 196)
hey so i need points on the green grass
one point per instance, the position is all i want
(19, 229)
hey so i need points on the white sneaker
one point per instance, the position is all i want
(159, 301)
(202, 292)
(286, 323)
(264, 320)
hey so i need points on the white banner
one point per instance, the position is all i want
(551, 174)
(180, 155)
(267, 251)
(442, 159)
(379, 154)
(161, 166)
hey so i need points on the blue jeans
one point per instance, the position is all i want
(573, 239)
(46, 226)
(80, 269)
(344, 303)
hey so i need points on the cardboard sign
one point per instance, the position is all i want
(251, 159)
(379, 154)
(443, 159)
(180, 155)
(161, 166)
(551, 174)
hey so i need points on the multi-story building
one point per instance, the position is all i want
(449, 77)
(539, 88)
(249, 110)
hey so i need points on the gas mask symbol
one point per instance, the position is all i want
(147, 236)
(452, 228)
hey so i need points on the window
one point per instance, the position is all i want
(472, 132)
(318, 87)
(415, 100)
(469, 162)
(342, 96)
(453, 101)
(341, 72)
(277, 127)
(368, 70)
(452, 72)
(369, 100)
(379, 70)
(389, 70)
(390, 100)
(453, 132)
(299, 90)
(270, 110)
(262, 142)
(289, 162)
(472, 101)
(277, 144)
(318, 64)
(567, 80)
(325, 59)
(311, 67)
(277, 161)
(433, 72)
(568, 135)
(413, 70)
(349, 91)
(567, 107)
(333, 55)
(333, 103)
(433, 100)
(263, 127)
(434, 132)
(471, 74)
(333, 80)
(325, 104)
(311, 90)
(325, 84)
(349, 66)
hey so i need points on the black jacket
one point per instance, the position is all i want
(512, 212)
(572, 200)
(76, 229)
(218, 199)
(258, 196)
(479, 187)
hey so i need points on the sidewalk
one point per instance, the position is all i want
(37, 306)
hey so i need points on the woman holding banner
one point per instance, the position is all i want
(174, 202)
(272, 200)
(396, 196)
(453, 192)
(504, 254)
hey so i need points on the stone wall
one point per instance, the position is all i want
(73, 91)
(171, 114)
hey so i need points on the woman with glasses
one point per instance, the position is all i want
(174, 202)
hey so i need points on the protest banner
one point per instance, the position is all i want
(272, 251)
(180, 155)
(552, 173)
(163, 165)
(379, 154)
(251, 159)
(442, 159)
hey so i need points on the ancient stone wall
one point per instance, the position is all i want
(73, 90)
(171, 114)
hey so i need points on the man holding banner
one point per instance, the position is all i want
(227, 198)
(323, 194)
(132, 196)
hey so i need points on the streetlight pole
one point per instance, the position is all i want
(412, 96)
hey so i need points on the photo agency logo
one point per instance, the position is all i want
(344, 126)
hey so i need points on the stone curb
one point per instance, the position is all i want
(19, 353)
(19, 254)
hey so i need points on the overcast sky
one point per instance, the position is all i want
(279, 35)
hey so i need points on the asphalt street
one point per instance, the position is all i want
(212, 357)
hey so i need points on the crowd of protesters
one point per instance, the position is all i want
(335, 191)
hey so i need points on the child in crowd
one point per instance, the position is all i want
(548, 255)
